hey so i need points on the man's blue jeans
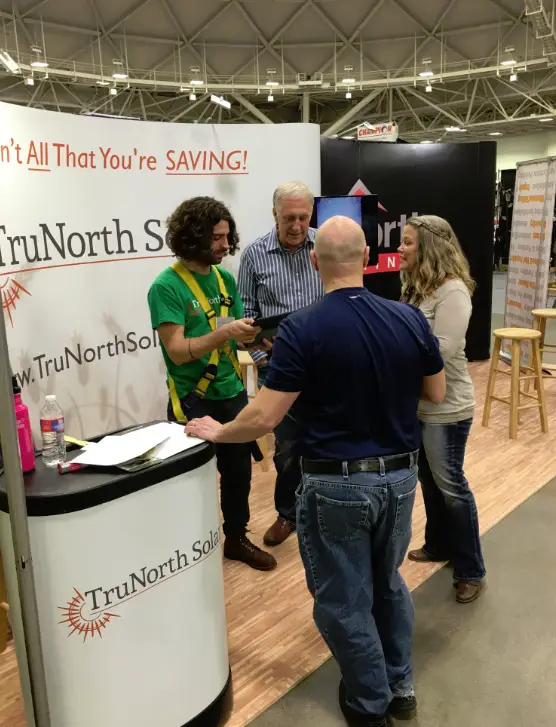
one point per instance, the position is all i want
(353, 534)
(452, 531)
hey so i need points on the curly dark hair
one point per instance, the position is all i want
(191, 226)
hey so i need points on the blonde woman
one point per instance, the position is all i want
(436, 278)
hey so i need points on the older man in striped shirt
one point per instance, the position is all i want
(276, 276)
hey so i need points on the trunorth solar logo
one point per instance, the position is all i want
(11, 292)
(361, 190)
(88, 614)
(80, 622)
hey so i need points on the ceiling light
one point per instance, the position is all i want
(113, 91)
(428, 88)
(192, 96)
(495, 133)
(348, 138)
(30, 81)
(221, 101)
(272, 83)
(348, 80)
(509, 58)
(39, 61)
(426, 72)
(549, 118)
(197, 82)
(513, 77)
(119, 76)
(426, 141)
(454, 128)
(348, 94)
(103, 83)
(8, 62)
(270, 97)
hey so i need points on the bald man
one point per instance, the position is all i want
(357, 366)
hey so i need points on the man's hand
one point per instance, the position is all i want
(266, 345)
(206, 428)
(242, 330)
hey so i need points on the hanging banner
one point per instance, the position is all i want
(378, 132)
(83, 204)
(530, 245)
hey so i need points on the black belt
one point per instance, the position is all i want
(372, 464)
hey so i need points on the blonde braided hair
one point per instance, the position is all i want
(439, 258)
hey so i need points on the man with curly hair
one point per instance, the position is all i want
(198, 314)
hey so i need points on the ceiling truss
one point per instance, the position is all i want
(471, 91)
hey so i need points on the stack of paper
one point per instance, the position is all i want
(148, 444)
(177, 442)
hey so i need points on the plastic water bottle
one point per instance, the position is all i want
(52, 430)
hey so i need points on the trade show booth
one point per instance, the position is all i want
(115, 579)
(454, 181)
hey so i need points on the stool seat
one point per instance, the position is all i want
(517, 334)
(244, 358)
(544, 313)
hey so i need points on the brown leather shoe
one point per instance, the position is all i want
(279, 532)
(421, 556)
(468, 591)
(243, 550)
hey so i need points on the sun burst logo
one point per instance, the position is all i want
(79, 622)
(11, 292)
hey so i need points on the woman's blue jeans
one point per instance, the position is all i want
(452, 530)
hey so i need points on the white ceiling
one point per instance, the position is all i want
(235, 43)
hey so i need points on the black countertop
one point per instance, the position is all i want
(48, 492)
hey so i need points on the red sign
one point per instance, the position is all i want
(388, 262)
(380, 132)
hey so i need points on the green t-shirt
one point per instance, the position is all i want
(171, 301)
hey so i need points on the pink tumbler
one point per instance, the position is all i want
(25, 437)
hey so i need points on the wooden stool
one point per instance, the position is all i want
(245, 363)
(4, 623)
(516, 336)
(540, 317)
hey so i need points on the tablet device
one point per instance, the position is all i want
(269, 329)
(362, 209)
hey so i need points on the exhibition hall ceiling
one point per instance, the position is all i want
(483, 66)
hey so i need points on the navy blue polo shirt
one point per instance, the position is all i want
(358, 361)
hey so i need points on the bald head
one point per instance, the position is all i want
(340, 241)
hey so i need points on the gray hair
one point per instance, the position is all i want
(292, 190)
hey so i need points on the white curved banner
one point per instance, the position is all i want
(82, 208)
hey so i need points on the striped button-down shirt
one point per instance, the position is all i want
(273, 280)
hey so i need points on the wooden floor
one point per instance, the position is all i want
(273, 643)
